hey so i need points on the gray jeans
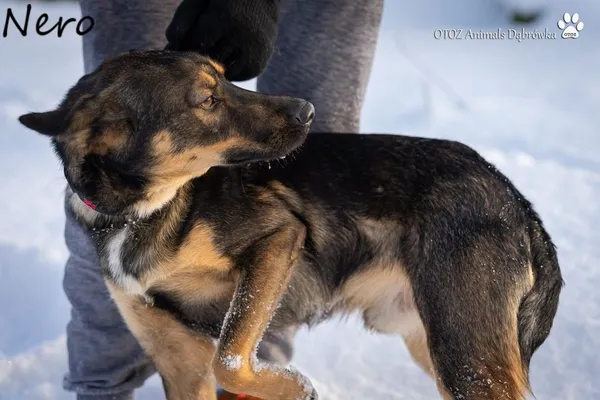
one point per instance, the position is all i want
(324, 54)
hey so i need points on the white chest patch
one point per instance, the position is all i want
(115, 264)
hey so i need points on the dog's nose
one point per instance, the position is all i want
(306, 114)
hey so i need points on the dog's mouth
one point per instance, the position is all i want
(235, 157)
(248, 157)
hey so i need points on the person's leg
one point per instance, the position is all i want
(105, 360)
(324, 54)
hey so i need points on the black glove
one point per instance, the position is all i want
(240, 34)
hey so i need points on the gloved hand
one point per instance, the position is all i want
(240, 34)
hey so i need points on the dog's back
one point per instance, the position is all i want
(427, 240)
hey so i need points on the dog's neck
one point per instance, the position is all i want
(157, 198)
(152, 202)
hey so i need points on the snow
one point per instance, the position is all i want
(530, 107)
(233, 362)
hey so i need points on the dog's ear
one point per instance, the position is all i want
(50, 123)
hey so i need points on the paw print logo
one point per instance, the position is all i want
(570, 25)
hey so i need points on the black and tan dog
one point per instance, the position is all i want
(200, 239)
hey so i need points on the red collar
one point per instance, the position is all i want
(89, 203)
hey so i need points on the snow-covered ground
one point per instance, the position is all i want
(531, 107)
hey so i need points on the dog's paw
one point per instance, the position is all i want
(308, 391)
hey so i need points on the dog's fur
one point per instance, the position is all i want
(201, 239)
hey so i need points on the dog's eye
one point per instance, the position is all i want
(208, 103)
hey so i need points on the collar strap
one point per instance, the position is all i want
(89, 203)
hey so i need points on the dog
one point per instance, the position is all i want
(219, 219)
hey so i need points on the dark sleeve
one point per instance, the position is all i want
(241, 34)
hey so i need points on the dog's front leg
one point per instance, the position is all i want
(182, 357)
(262, 283)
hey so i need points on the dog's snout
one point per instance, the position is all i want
(306, 113)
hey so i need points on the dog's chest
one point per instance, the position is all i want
(115, 247)
(138, 258)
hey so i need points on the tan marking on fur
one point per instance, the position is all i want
(159, 260)
(523, 285)
(208, 79)
(384, 294)
(514, 368)
(195, 263)
(315, 214)
(76, 147)
(158, 195)
(197, 286)
(531, 276)
(200, 248)
(197, 272)
(416, 342)
(162, 143)
(83, 115)
(206, 116)
(197, 255)
(191, 162)
(79, 139)
(379, 283)
(288, 194)
(159, 252)
(242, 331)
(110, 139)
(76, 142)
(182, 358)
(281, 189)
(264, 195)
(443, 391)
(378, 232)
(501, 378)
(174, 169)
(500, 372)
(274, 192)
(516, 372)
(218, 67)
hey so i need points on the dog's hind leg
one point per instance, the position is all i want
(415, 338)
(469, 301)
(182, 357)
(384, 294)
(398, 315)
(480, 361)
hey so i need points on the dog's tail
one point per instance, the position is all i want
(538, 307)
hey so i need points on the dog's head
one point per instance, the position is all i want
(136, 129)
